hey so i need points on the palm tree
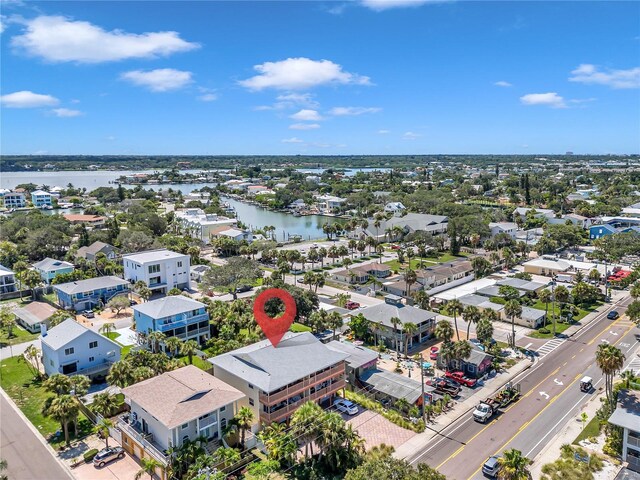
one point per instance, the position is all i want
(395, 321)
(444, 331)
(32, 354)
(107, 328)
(104, 404)
(120, 374)
(462, 350)
(471, 314)
(334, 321)
(103, 427)
(410, 277)
(305, 423)
(545, 297)
(410, 330)
(610, 360)
(513, 466)
(634, 291)
(513, 309)
(189, 348)
(63, 409)
(149, 466)
(421, 297)
(173, 344)
(484, 330)
(244, 419)
(225, 457)
(455, 308)
(155, 338)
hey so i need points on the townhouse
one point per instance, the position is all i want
(175, 316)
(87, 294)
(161, 270)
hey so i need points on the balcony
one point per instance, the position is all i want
(270, 399)
(145, 440)
(183, 321)
(88, 371)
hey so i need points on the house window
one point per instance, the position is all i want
(185, 426)
(251, 402)
(69, 351)
(92, 359)
(93, 344)
(223, 423)
(223, 408)
(250, 386)
(154, 268)
(51, 362)
(179, 264)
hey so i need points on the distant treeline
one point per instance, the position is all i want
(12, 163)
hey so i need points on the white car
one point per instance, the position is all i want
(346, 406)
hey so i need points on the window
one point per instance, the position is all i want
(69, 351)
(154, 268)
(92, 359)
(250, 386)
(179, 264)
(223, 423)
(51, 362)
(93, 344)
(185, 426)
(223, 408)
(251, 402)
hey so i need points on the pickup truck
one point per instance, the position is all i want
(485, 410)
(442, 387)
(460, 378)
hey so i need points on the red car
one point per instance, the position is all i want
(461, 379)
(395, 247)
(351, 305)
(433, 353)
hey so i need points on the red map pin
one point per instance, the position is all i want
(274, 328)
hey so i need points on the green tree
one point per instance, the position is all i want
(63, 409)
(7, 321)
(105, 404)
(633, 311)
(444, 331)
(173, 344)
(471, 315)
(149, 467)
(610, 360)
(305, 425)
(102, 428)
(237, 271)
(513, 309)
(118, 303)
(189, 348)
(545, 297)
(409, 330)
(244, 420)
(455, 308)
(514, 466)
(484, 331)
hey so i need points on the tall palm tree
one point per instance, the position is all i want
(513, 309)
(610, 360)
(173, 344)
(64, 409)
(224, 457)
(104, 403)
(155, 339)
(444, 330)
(484, 330)
(410, 277)
(149, 466)
(305, 423)
(334, 321)
(103, 427)
(410, 329)
(421, 297)
(189, 348)
(471, 315)
(395, 321)
(545, 297)
(120, 374)
(514, 466)
(244, 420)
(634, 291)
(455, 308)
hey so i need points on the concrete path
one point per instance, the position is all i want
(15, 350)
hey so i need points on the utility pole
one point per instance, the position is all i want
(424, 409)
(553, 307)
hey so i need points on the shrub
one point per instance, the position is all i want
(88, 456)
(544, 330)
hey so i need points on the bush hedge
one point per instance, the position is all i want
(88, 456)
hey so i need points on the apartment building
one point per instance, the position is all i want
(175, 316)
(161, 270)
(15, 200)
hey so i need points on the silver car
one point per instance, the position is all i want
(107, 455)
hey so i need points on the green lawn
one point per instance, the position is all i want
(112, 335)
(16, 378)
(591, 429)
(298, 327)
(197, 361)
(560, 327)
(428, 261)
(19, 335)
(51, 297)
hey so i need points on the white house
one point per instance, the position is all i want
(73, 349)
(627, 417)
(161, 270)
(537, 212)
(394, 207)
(329, 203)
(40, 198)
(509, 228)
(200, 225)
(7, 280)
(15, 200)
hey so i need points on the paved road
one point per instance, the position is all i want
(26, 456)
(551, 398)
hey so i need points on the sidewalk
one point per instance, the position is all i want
(491, 387)
(15, 350)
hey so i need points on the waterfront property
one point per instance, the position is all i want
(329, 203)
(627, 417)
(15, 200)
(200, 224)
(276, 381)
(73, 349)
(89, 293)
(174, 407)
(161, 270)
(397, 227)
(175, 316)
(7, 280)
(95, 221)
(50, 268)
(34, 316)
(40, 199)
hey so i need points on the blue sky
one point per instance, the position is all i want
(362, 77)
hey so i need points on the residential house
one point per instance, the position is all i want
(352, 275)
(34, 316)
(394, 207)
(95, 221)
(40, 199)
(382, 313)
(447, 273)
(276, 381)
(180, 405)
(360, 359)
(161, 270)
(545, 213)
(50, 268)
(494, 291)
(476, 366)
(198, 271)
(632, 210)
(627, 417)
(548, 266)
(409, 223)
(398, 287)
(329, 203)
(378, 270)
(89, 253)
(73, 349)
(508, 228)
(526, 286)
(200, 224)
(481, 302)
(87, 294)
(15, 200)
(7, 280)
(175, 316)
(391, 386)
(233, 233)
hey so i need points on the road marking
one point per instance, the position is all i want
(545, 395)
(605, 341)
(625, 345)
(544, 379)
(558, 382)
(549, 347)
(528, 345)
(573, 357)
(611, 332)
(582, 349)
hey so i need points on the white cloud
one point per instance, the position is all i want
(380, 5)
(502, 83)
(383, 132)
(591, 74)
(306, 115)
(411, 136)
(208, 97)
(300, 73)
(159, 80)
(66, 112)
(352, 111)
(111, 138)
(59, 39)
(551, 99)
(27, 99)
(292, 140)
(304, 126)
(291, 100)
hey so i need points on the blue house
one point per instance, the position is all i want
(175, 316)
(40, 199)
(49, 268)
(90, 293)
(599, 231)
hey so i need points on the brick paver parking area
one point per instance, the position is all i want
(375, 429)
(123, 469)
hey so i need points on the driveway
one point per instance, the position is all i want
(375, 429)
(123, 469)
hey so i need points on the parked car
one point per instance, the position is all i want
(346, 406)
(613, 315)
(132, 302)
(243, 288)
(395, 247)
(461, 379)
(351, 305)
(433, 353)
(107, 455)
(491, 467)
(89, 314)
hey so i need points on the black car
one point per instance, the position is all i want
(243, 288)
(612, 315)
(107, 455)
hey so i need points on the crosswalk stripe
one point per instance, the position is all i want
(549, 347)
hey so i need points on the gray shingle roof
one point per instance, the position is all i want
(168, 306)
(383, 312)
(35, 312)
(394, 385)
(358, 356)
(521, 284)
(627, 414)
(494, 291)
(480, 301)
(94, 249)
(51, 264)
(269, 368)
(90, 284)
(529, 313)
(67, 331)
